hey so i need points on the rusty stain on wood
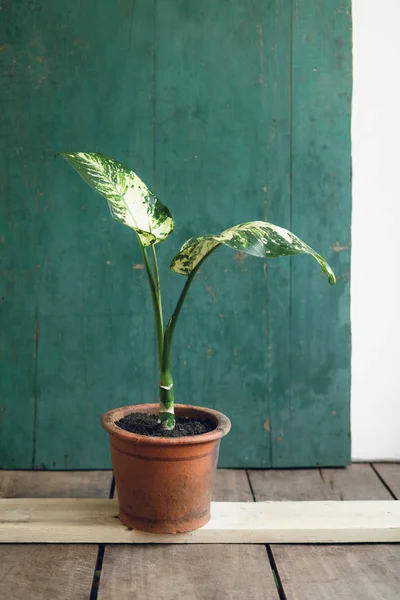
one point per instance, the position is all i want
(211, 292)
(338, 248)
(240, 257)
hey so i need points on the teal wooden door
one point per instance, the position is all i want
(232, 111)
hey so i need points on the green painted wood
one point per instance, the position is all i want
(213, 121)
(212, 104)
(78, 77)
(277, 66)
(310, 396)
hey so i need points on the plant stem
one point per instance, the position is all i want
(166, 414)
(156, 301)
(157, 286)
(156, 277)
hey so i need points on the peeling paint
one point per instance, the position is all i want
(338, 248)
(211, 292)
(240, 257)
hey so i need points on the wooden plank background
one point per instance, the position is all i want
(233, 111)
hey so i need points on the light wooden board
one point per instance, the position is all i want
(198, 572)
(94, 521)
(50, 572)
(390, 473)
(347, 572)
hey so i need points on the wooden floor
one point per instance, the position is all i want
(207, 572)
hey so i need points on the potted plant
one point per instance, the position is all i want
(164, 455)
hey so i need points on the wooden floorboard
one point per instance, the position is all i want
(365, 572)
(390, 473)
(49, 572)
(340, 572)
(216, 572)
(55, 484)
(346, 572)
(357, 482)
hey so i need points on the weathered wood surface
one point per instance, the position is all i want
(49, 572)
(47, 520)
(309, 333)
(212, 121)
(365, 572)
(331, 572)
(73, 293)
(357, 482)
(55, 484)
(390, 473)
(234, 110)
(361, 572)
(219, 572)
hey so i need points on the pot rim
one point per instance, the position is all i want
(108, 423)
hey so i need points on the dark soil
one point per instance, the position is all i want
(146, 424)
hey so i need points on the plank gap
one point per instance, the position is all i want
(275, 572)
(382, 480)
(94, 590)
(270, 554)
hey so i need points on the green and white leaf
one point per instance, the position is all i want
(130, 200)
(256, 238)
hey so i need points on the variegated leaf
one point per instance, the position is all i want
(257, 238)
(130, 200)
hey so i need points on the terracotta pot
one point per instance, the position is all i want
(164, 485)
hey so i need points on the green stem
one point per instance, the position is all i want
(156, 301)
(157, 285)
(166, 414)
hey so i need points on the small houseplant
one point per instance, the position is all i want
(164, 455)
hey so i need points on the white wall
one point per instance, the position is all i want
(375, 310)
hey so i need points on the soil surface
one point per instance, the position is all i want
(145, 424)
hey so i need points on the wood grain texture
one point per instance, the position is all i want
(73, 520)
(277, 68)
(357, 482)
(390, 473)
(331, 572)
(234, 110)
(310, 405)
(213, 118)
(49, 572)
(195, 571)
(364, 572)
(54, 484)
(73, 297)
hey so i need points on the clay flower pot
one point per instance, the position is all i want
(164, 485)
